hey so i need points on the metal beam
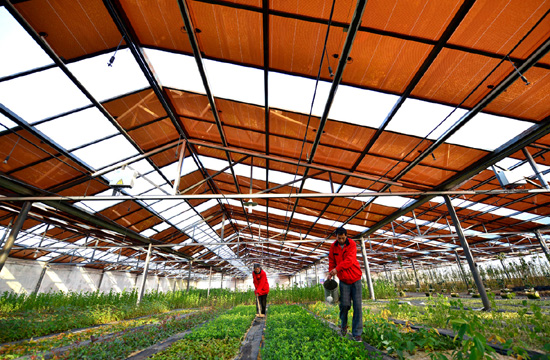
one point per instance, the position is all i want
(14, 232)
(367, 270)
(535, 168)
(144, 276)
(468, 254)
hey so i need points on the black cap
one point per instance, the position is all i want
(340, 230)
(257, 266)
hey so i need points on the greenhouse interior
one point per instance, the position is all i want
(185, 179)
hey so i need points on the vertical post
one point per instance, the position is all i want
(235, 284)
(468, 254)
(543, 245)
(386, 271)
(415, 275)
(189, 274)
(7, 230)
(535, 168)
(14, 232)
(100, 279)
(316, 277)
(221, 282)
(39, 283)
(367, 269)
(209, 282)
(178, 171)
(462, 271)
(144, 276)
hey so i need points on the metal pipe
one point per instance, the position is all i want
(40, 278)
(144, 276)
(209, 282)
(189, 275)
(275, 196)
(543, 245)
(367, 269)
(468, 254)
(462, 272)
(535, 168)
(13, 233)
(415, 274)
(178, 170)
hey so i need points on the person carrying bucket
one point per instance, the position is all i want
(261, 289)
(342, 262)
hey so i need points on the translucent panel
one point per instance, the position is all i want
(206, 205)
(296, 93)
(50, 92)
(192, 220)
(501, 129)
(148, 232)
(96, 206)
(361, 107)
(176, 210)
(6, 123)
(140, 186)
(78, 128)
(160, 227)
(320, 186)
(162, 205)
(175, 70)
(106, 152)
(421, 118)
(24, 52)
(235, 82)
(104, 81)
(142, 166)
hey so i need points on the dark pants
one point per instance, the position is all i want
(262, 299)
(349, 293)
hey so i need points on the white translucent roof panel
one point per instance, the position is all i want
(419, 118)
(160, 227)
(6, 123)
(175, 70)
(148, 232)
(501, 130)
(295, 93)
(360, 106)
(206, 205)
(104, 81)
(41, 95)
(98, 205)
(176, 210)
(142, 166)
(20, 51)
(78, 128)
(235, 82)
(106, 152)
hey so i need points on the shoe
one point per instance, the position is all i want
(344, 331)
(357, 338)
(262, 315)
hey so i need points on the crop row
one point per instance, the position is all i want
(220, 338)
(292, 333)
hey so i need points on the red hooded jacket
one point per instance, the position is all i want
(260, 283)
(345, 261)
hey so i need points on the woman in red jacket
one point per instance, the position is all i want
(261, 289)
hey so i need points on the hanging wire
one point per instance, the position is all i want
(112, 59)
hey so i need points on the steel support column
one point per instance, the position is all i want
(39, 282)
(415, 274)
(462, 272)
(144, 276)
(468, 254)
(100, 279)
(189, 275)
(367, 269)
(209, 282)
(13, 233)
(543, 245)
(535, 168)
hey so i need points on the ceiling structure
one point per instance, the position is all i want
(257, 127)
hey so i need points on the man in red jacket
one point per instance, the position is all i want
(342, 261)
(261, 289)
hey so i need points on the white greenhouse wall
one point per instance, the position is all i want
(21, 276)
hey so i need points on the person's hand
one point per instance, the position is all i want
(333, 272)
(328, 277)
